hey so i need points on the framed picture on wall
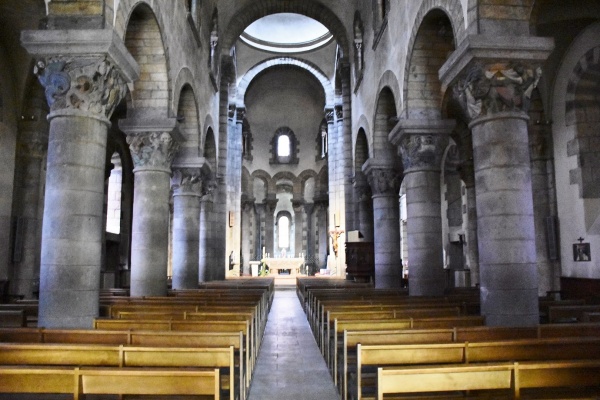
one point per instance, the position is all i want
(581, 252)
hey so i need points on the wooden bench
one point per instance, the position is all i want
(12, 318)
(35, 355)
(186, 326)
(135, 338)
(130, 381)
(572, 313)
(512, 380)
(471, 353)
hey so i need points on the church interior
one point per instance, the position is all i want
(304, 199)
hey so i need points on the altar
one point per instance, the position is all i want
(277, 264)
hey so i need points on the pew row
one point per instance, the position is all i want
(131, 381)
(508, 381)
(36, 355)
(374, 356)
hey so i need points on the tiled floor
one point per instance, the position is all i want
(290, 365)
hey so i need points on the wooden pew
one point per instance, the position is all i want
(508, 380)
(35, 355)
(573, 313)
(186, 326)
(340, 326)
(131, 381)
(473, 353)
(134, 338)
(12, 318)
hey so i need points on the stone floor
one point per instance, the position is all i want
(290, 365)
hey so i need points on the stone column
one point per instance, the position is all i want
(270, 204)
(247, 233)
(83, 82)
(472, 247)
(421, 144)
(206, 250)
(322, 240)
(495, 95)
(364, 205)
(298, 206)
(309, 255)
(31, 148)
(187, 190)
(385, 184)
(152, 151)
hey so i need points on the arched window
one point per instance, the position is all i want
(284, 147)
(284, 232)
(113, 207)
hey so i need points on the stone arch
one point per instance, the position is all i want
(310, 8)
(267, 179)
(184, 77)
(210, 149)
(390, 81)
(582, 98)
(322, 183)
(208, 123)
(247, 188)
(287, 175)
(287, 61)
(361, 150)
(384, 120)
(187, 115)
(144, 26)
(433, 39)
(301, 181)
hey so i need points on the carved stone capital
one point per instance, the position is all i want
(152, 149)
(187, 182)
(32, 149)
(384, 181)
(488, 90)
(422, 151)
(421, 143)
(90, 85)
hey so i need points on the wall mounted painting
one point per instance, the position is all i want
(581, 252)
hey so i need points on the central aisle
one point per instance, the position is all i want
(290, 365)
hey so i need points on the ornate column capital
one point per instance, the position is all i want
(187, 182)
(84, 72)
(152, 150)
(153, 142)
(384, 180)
(329, 115)
(495, 74)
(309, 208)
(421, 143)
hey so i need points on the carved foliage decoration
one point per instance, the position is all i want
(384, 181)
(502, 88)
(154, 149)
(422, 151)
(187, 181)
(88, 84)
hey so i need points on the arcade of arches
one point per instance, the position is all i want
(170, 142)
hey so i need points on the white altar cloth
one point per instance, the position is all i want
(277, 264)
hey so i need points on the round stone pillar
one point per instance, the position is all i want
(205, 236)
(505, 224)
(187, 189)
(152, 154)
(421, 145)
(83, 84)
(494, 79)
(385, 185)
(364, 206)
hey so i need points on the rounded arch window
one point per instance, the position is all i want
(284, 147)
